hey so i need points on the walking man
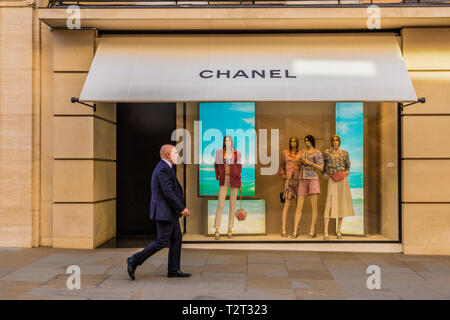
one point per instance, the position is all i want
(166, 207)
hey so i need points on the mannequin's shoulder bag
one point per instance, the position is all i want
(240, 213)
(338, 176)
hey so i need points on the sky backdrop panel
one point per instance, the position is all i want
(219, 119)
(255, 223)
(349, 126)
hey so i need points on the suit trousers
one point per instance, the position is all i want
(168, 235)
(221, 203)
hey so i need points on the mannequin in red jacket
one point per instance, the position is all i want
(228, 169)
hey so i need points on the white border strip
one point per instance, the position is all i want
(330, 247)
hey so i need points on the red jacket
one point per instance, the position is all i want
(235, 169)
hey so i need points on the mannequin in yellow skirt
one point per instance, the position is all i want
(339, 198)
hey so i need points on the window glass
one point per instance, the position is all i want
(357, 181)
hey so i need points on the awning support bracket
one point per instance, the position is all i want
(77, 100)
(420, 100)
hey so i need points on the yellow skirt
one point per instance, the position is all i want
(339, 199)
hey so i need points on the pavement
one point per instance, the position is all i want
(40, 273)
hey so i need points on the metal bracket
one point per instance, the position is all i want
(77, 100)
(420, 100)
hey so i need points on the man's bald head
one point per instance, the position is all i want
(165, 151)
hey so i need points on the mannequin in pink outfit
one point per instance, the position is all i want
(290, 173)
(310, 162)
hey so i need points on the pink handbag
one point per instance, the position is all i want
(240, 213)
(338, 176)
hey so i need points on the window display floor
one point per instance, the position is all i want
(372, 243)
(277, 237)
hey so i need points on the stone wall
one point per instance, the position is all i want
(426, 147)
(19, 125)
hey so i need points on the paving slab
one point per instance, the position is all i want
(226, 259)
(317, 289)
(256, 257)
(423, 289)
(310, 274)
(344, 264)
(269, 283)
(40, 273)
(338, 256)
(16, 289)
(267, 269)
(269, 294)
(32, 274)
(302, 256)
(86, 281)
(4, 273)
(230, 268)
(356, 293)
(306, 265)
(58, 260)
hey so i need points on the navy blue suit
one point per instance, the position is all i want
(165, 207)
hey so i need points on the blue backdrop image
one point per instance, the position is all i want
(255, 223)
(349, 126)
(223, 117)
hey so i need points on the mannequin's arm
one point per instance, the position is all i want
(318, 165)
(216, 164)
(347, 163)
(238, 162)
(325, 163)
(282, 169)
(216, 169)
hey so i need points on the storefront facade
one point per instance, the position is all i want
(64, 193)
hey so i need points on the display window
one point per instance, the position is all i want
(289, 171)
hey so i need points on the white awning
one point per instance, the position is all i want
(282, 67)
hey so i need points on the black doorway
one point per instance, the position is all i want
(142, 128)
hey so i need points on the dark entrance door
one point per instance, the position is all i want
(142, 128)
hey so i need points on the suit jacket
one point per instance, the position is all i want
(167, 195)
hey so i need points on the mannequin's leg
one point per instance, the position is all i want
(314, 213)
(298, 213)
(233, 197)
(220, 204)
(326, 221)
(340, 220)
(287, 204)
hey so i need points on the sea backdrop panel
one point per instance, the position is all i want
(349, 126)
(255, 223)
(219, 119)
(209, 185)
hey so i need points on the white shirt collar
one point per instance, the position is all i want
(170, 165)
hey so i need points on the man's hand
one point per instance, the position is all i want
(186, 212)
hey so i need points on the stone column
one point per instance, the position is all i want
(84, 150)
(19, 125)
(426, 147)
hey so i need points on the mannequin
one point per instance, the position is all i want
(289, 171)
(228, 169)
(339, 198)
(311, 160)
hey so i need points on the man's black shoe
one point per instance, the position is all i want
(131, 267)
(178, 274)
